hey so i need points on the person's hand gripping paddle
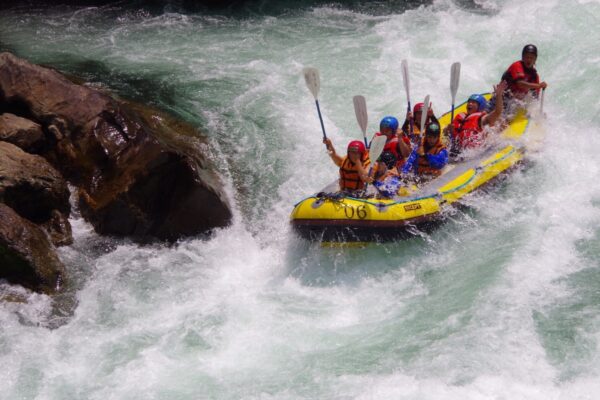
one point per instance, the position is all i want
(377, 145)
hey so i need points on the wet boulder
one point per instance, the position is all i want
(21, 132)
(36, 191)
(26, 255)
(138, 171)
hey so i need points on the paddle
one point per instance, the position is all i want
(377, 145)
(454, 79)
(542, 102)
(424, 115)
(360, 109)
(404, 65)
(311, 77)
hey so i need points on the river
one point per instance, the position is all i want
(501, 302)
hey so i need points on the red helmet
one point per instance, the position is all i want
(418, 107)
(357, 145)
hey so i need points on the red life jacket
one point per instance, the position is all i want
(423, 166)
(349, 177)
(393, 147)
(518, 72)
(468, 132)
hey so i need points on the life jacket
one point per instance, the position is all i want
(519, 72)
(423, 166)
(393, 147)
(349, 177)
(467, 130)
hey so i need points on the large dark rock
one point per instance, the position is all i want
(26, 256)
(139, 172)
(36, 191)
(21, 132)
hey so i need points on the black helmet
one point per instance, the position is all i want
(432, 129)
(530, 48)
(388, 158)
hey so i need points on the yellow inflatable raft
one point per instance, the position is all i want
(329, 216)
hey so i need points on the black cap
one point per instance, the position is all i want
(530, 48)
(432, 129)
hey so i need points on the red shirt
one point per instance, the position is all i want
(519, 72)
(391, 145)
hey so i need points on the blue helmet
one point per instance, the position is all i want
(479, 99)
(389, 122)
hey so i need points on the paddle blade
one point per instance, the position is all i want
(405, 79)
(311, 77)
(454, 79)
(377, 145)
(360, 109)
(424, 114)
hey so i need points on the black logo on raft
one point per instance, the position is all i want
(412, 207)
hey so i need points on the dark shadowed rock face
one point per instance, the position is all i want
(26, 256)
(138, 171)
(36, 191)
(21, 132)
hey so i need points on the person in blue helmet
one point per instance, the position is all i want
(397, 142)
(466, 131)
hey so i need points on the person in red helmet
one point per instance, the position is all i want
(354, 167)
(413, 119)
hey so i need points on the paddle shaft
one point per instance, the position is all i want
(424, 116)
(411, 121)
(454, 80)
(321, 119)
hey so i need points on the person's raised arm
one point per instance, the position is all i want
(331, 151)
(406, 124)
(491, 118)
(404, 148)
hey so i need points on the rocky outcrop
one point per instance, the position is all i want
(138, 172)
(21, 132)
(36, 191)
(26, 255)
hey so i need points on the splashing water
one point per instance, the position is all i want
(500, 302)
